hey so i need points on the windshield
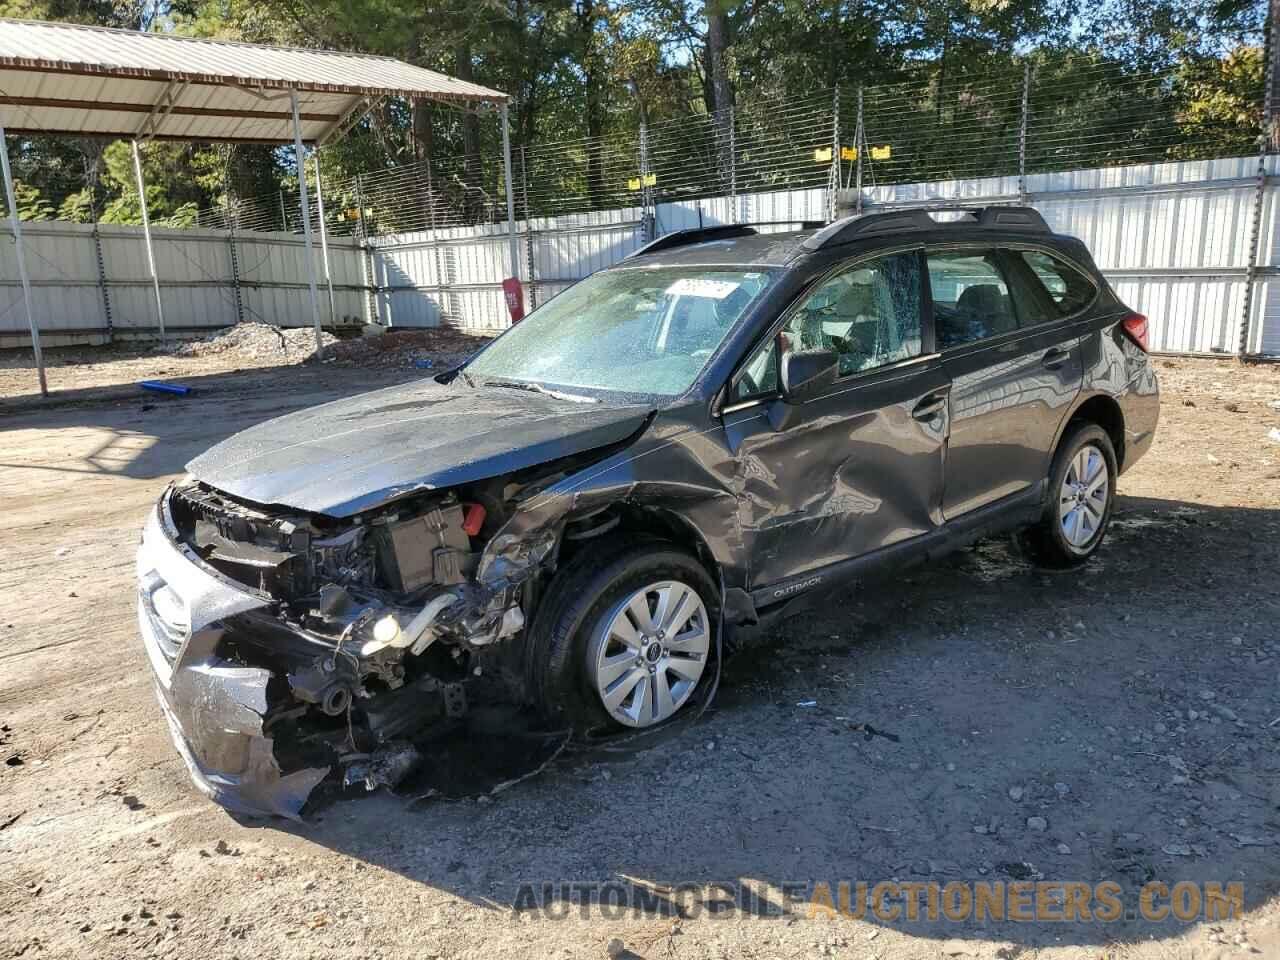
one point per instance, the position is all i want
(643, 330)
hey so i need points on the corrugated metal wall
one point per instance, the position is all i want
(1175, 239)
(457, 272)
(76, 302)
(62, 263)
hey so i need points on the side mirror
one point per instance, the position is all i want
(807, 374)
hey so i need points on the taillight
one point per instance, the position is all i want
(1135, 327)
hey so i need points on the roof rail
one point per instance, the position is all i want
(918, 218)
(681, 238)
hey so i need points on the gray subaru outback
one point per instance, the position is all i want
(578, 523)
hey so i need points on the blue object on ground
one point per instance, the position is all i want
(424, 364)
(160, 387)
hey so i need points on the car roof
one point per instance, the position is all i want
(744, 244)
(757, 249)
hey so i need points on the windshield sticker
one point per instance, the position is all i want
(701, 287)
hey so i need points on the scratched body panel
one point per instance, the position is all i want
(844, 475)
(327, 586)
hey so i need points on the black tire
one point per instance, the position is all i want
(1046, 541)
(581, 594)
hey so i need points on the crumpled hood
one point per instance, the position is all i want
(350, 455)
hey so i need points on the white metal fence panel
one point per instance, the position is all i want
(273, 278)
(194, 267)
(455, 274)
(63, 267)
(1175, 239)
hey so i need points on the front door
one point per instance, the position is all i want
(859, 467)
(1014, 370)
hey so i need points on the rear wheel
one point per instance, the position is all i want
(1078, 506)
(625, 637)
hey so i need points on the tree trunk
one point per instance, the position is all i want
(721, 90)
(587, 16)
(423, 129)
(717, 55)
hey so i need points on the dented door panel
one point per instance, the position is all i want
(843, 475)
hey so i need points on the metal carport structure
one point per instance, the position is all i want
(68, 79)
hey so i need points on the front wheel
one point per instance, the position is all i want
(1078, 506)
(625, 637)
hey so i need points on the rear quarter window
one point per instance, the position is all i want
(1069, 288)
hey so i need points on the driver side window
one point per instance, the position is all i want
(869, 314)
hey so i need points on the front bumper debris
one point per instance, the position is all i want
(215, 708)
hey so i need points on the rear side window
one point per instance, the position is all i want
(1068, 287)
(971, 299)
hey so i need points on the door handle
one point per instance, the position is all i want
(930, 406)
(1055, 358)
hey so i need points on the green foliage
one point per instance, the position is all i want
(1115, 81)
(31, 204)
(77, 207)
(1220, 109)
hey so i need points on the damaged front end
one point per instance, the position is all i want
(289, 646)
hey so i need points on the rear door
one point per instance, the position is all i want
(858, 468)
(1014, 368)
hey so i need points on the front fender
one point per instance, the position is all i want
(683, 475)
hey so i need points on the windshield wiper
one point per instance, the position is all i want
(538, 388)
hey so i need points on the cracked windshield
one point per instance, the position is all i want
(647, 331)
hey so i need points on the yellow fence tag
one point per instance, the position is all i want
(881, 153)
(848, 153)
(822, 156)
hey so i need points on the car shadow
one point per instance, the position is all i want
(976, 722)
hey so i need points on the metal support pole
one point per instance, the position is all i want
(1272, 53)
(511, 197)
(324, 239)
(833, 178)
(859, 147)
(646, 197)
(733, 167)
(232, 218)
(16, 225)
(529, 252)
(1255, 243)
(102, 276)
(146, 235)
(370, 308)
(1022, 133)
(301, 156)
(237, 293)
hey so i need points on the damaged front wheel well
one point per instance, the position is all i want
(637, 522)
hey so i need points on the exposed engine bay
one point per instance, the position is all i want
(374, 629)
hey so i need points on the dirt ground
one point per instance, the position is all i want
(1119, 723)
(80, 374)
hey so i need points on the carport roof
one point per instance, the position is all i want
(61, 78)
